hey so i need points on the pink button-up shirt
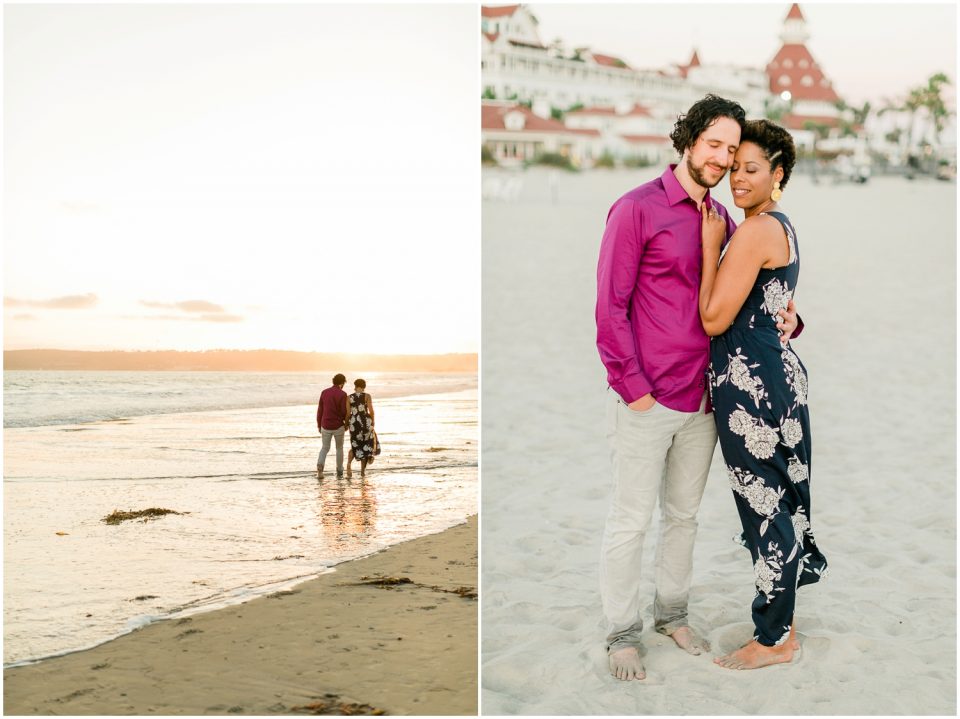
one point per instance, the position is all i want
(648, 287)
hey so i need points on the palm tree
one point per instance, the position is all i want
(933, 101)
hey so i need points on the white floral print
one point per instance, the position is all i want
(791, 431)
(800, 525)
(762, 499)
(768, 570)
(796, 377)
(776, 295)
(738, 373)
(740, 422)
(759, 439)
(764, 576)
(797, 470)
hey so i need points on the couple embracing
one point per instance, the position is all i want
(694, 316)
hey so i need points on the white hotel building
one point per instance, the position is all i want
(516, 66)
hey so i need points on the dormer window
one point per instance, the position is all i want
(806, 81)
(788, 63)
(514, 121)
(784, 80)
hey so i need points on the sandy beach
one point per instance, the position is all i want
(252, 519)
(406, 649)
(877, 295)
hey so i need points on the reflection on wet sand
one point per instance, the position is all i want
(347, 508)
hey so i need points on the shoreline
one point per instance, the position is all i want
(404, 649)
(420, 392)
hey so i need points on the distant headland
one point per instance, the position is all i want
(233, 361)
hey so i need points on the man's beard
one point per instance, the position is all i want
(697, 174)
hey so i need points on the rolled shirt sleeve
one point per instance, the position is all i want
(620, 252)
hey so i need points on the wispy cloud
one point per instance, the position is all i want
(185, 306)
(70, 302)
(24, 316)
(188, 318)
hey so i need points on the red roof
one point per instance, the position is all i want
(491, 36)
(492, 114)
(795, 13)
(694, 62)
(797, 122)
(609, 61)
(498, 10)
(593, 111)
(790, 61)
(635, 110)
(646, 138)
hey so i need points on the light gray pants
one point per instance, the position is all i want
(665, 454)
(326, 435)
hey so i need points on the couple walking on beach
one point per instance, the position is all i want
(694, 317)
(337, 412)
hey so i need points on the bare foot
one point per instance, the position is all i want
(755, 655)
(792, 641)
(625, 664)
(689, 641)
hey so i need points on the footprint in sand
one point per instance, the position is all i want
(731, 637)
(814, 648)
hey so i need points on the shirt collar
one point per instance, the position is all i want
(673, 188)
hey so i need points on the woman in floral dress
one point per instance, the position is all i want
(362, 441)
(758, 389)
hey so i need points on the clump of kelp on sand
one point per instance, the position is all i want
(118, 516)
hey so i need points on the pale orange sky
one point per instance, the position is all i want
(241, 176)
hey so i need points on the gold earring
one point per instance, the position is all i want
(776, 194)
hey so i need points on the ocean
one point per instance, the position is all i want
(235, 455)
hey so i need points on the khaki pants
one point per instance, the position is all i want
(326, 435)
(665, 454)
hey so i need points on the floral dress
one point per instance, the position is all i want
(758, 390)
(361, 428)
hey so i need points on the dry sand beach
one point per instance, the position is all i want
(877, 294)
(404, 649)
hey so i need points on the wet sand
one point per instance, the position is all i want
(406, 649)
(877, 292)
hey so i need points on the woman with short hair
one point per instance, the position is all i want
(758, 388)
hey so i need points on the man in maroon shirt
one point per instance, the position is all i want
(332, 421)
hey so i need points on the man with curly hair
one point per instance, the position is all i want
(656, 353)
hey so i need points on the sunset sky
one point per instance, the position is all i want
(298, 177)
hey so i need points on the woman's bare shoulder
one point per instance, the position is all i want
(759, 229)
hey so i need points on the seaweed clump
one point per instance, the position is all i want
(118, 516)
(330, 706)
(385, 582)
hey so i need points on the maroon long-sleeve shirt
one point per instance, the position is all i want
(332, 409)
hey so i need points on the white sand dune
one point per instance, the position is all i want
(877, 294)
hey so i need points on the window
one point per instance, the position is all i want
(788, 63)
(784, 80)
(803, 63)
(806, 81)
